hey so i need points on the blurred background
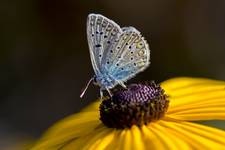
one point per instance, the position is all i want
(44, 57)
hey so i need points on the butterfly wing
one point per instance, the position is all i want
(130, 56)
(101, 31)
(116, 54)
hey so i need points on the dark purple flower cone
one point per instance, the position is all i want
(139, 104)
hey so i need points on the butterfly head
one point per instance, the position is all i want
(103, 81)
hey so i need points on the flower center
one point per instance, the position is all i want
(139, 104)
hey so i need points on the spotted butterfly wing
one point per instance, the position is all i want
(130, 56)
(101, 31)
(117, 54)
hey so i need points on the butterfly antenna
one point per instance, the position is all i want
(85, 89)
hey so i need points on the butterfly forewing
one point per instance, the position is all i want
(101, 33)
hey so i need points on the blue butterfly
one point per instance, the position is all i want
(117, 54)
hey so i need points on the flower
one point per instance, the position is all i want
(190, 99)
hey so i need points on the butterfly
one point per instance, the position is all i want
(117, 54)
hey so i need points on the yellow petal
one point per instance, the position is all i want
(124, 140)
(137, 140)
(167, 139)
(68, 129)
(195, 98)
(70, 123)
(91, 140)
(195, 114)
(187, 90)
(206, 108)
(101, 144)
(175, 86)
(197, 136)
(118, 141)
(150, 139)
(127, 140)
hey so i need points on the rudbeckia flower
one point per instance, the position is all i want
(146, 116)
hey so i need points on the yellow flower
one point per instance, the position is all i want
(191, 99)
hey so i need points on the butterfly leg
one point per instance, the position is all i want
(122, 84)
(101, 93)
(110, 93)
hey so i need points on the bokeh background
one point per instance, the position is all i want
(44, 57)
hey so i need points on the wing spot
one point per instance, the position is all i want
(105, 36)
(108, 42)
(100, 55)
(97, 32)
(131, 52)
(117, 64)
(119, 56)
(111, 51)
(107, 62)
(92, 35)
(131, 58)
(118, 47)
(98, 45)
(126, 43)
(121, 68)
(135, 64)
(129, 47)
(101, 33)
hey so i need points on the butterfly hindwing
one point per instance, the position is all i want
(131, 57)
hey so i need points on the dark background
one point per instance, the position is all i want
(44, 57)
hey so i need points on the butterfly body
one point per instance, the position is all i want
(117, 54)
(104, 81)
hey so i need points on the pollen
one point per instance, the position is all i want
(139, 105)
